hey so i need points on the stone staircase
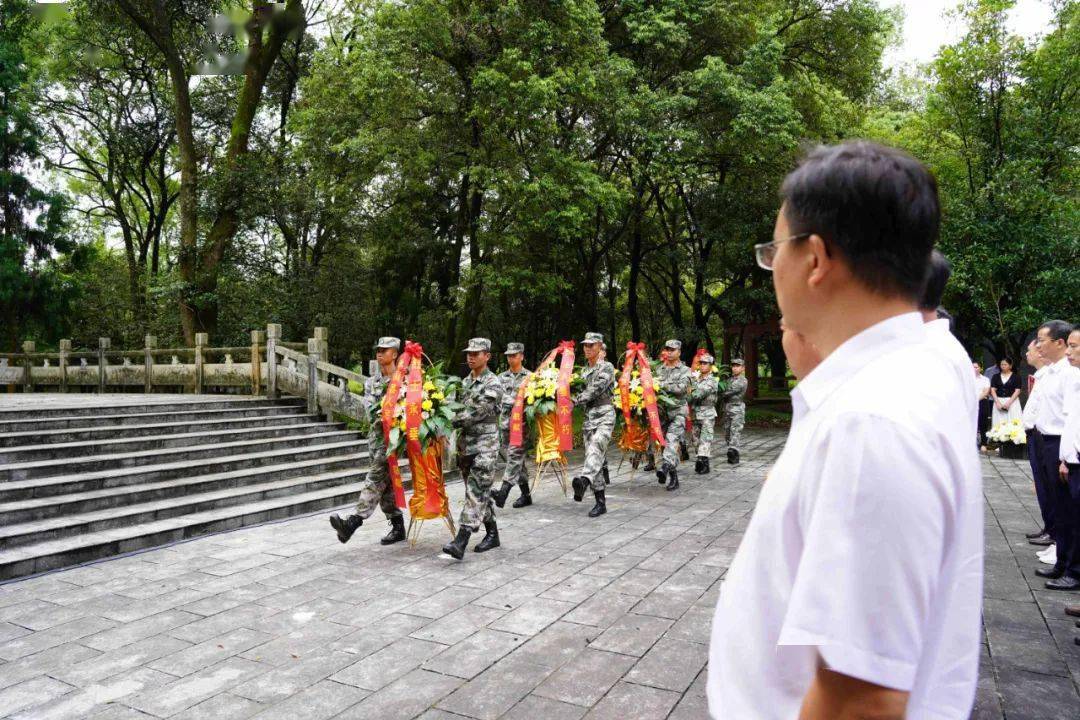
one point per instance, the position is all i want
(85, 482)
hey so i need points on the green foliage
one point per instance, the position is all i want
(33, 291)
(525, 171)
(999, 126)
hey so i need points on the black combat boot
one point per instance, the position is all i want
(705, 470)
(491, 538)
(661, 475)
(607, 475)
(697, 465)
(684, 454)
(581, 484)
(456, 547)
(525, 499)
(650, 463)
(345, 528)
(499, 496)
(601, 505)
(397, 531)
(732, 456)
(673, 479)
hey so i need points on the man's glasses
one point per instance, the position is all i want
(765, 253)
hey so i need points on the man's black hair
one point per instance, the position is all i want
(875, 205)
(1057, 329)
(937, 277)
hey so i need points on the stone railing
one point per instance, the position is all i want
(268, 366)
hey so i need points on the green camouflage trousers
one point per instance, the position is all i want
(596, 432)
(514, 471)
(734, 419)
(377, 489)
(704, 428)
(478, 472)
(674, 430)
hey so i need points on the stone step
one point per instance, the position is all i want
(47, 530)
(145, 443)
(40, 557)
(148, 416)
(21, 511)
(67, 435)
(138, 408)
(99, 463)
(178, 468)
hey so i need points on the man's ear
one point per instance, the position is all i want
(822, 264)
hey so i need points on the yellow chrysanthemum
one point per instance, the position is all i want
(427, 405)
(429, 386)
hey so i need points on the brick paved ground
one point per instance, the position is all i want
(572, 618)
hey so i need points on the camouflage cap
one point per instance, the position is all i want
(479, 345)
(707, 359)
(514, 348)
(388, 342)
(593, 337)
(736, 361)
(673, 344)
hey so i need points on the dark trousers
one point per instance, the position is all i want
(1042, 493)
(1063, 530)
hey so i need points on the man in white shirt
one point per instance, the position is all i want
(856, 590)
(939, 329)
(1042, 493)
(1058, 384)
(1070, 444)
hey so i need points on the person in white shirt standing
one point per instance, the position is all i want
(1056, 386)
(939, 329)
(1042, 493)
(1070, 448)
(856, 589)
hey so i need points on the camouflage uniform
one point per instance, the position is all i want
(377, 489)
(599, 419)
(675, 381)
(514, 471)
(734, 411)
(703, 402)
(478, 445)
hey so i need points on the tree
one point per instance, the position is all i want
(998, 125)
(31, 218)
(113, 135)
(179, 30)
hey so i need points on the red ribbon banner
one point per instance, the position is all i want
(409, 362)
(636, 352)
(564, 406)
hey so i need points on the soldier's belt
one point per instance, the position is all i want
(599, 402)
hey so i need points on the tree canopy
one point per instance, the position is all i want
(523, 170)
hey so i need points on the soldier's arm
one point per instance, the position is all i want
(593, 388)
(699, 389)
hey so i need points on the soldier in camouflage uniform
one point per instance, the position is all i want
(514, 471)
(735, 410)
(599, 377)
(704, 390)
(377, 489)
(674, 379)
(478, 449)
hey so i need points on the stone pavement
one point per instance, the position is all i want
(571, 618)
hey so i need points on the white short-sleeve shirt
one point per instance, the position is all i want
(1069, 449)
(939, 334)
(865, 547)
(1031, 408)
(1057, 383)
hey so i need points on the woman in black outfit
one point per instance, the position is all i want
(1005, 391)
